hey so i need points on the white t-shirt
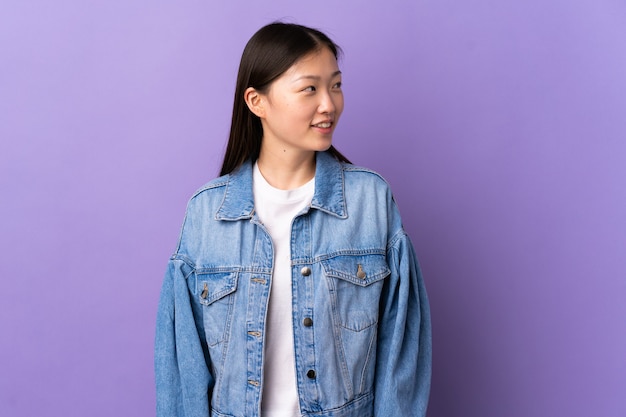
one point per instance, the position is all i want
(276, 210)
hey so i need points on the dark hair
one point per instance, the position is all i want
(270, 52)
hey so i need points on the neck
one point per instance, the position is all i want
(286, 171)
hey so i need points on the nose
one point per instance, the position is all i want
(327, 103)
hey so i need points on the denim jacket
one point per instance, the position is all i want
(361, 321)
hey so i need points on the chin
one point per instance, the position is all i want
(323, 145)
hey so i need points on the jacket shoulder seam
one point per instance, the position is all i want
(213, 184)
(364, 170)
(395, 238)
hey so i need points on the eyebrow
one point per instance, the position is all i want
(317, 77)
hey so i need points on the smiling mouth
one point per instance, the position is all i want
(323, 125)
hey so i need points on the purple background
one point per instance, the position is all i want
(501, 127)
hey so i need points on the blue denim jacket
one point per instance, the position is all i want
(361, 321)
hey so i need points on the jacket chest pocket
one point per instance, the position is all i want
(215, 293)
(355, 283)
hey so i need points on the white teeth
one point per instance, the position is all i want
(324, 125)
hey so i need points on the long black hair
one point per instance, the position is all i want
(270, 52)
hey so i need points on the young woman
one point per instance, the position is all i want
(294, 290)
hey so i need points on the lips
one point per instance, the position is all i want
(324, 125)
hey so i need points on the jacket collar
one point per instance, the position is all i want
(329, 194)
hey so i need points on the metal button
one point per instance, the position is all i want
(305, 271)
(360, 273)
(311, 374)
(308, 321)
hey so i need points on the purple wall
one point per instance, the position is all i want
(501, 127)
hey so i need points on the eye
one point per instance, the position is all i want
(337, 85)
(309, 89)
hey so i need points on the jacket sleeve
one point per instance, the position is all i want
(182, 375)
(403, 364)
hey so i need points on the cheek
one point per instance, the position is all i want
(339, 105)
(301, 111)
(286, 112)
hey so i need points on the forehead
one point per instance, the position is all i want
(321, 62)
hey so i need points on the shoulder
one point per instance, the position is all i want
(368, 192)
(216, 185)
(358, 176)
(208, 197)
(211, 194)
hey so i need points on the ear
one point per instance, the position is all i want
(255, 101)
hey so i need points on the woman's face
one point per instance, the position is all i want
(302, 106)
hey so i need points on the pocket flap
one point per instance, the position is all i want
(213, 286)
(361, 270)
